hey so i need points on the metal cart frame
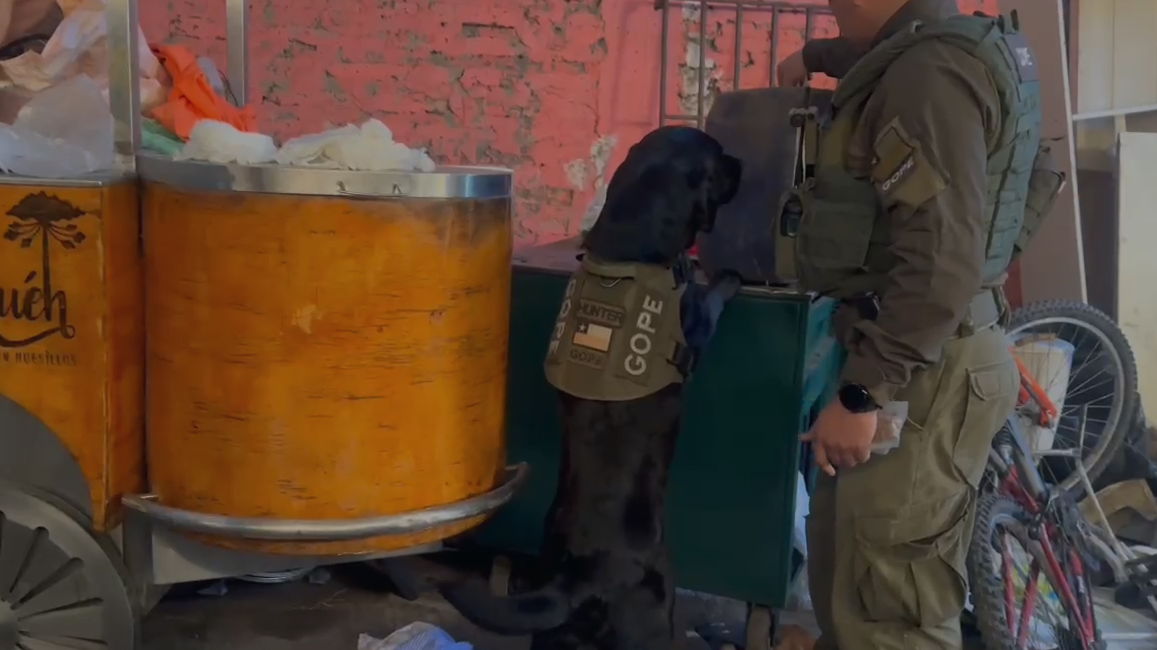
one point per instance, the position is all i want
(69, 570)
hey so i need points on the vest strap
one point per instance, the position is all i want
(986, 310)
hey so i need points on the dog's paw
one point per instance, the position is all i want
(726, 284)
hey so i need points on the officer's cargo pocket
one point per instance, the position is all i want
(911, 570)
(991, 399)
(1045, 183)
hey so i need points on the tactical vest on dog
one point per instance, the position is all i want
(828, 235)
(618, 335)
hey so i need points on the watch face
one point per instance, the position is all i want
(855, 398)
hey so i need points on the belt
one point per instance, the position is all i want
(986, 310)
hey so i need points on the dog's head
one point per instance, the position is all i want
(665, 193)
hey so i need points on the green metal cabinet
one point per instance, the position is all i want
(732, 492)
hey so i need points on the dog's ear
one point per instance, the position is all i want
(642, 221)
(728, 174)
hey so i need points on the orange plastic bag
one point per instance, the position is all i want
(191, 98)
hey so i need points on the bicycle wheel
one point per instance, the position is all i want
(1101, 386)
(1016, 602)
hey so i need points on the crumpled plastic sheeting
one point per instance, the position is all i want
(23, 18)
(218, 142)
(64, 131)
(415, 636)
(80, 46)
(370, 147)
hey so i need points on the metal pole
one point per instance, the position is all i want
(702, 90)
(771, 80)
(665, 42)
(737, 64)
(237, 44)
(124, 83)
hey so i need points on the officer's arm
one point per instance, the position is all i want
(830, 56)
(929, 121)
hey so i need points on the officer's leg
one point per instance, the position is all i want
(903, 520)
(821, 556)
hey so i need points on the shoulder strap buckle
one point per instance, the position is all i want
(683, 358)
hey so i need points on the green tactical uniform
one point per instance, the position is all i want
(618, 335)
(929, 179)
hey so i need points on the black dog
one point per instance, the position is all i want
(612, 586)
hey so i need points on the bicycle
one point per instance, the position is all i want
(1016, 505)
(1099, 388)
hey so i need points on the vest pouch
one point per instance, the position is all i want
(835, 233)
(1044, 186)
(785, 228)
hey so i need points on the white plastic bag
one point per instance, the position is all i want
(370, 147)
(80, 46)
(889, 423)
(1049, 360)
(311, 149)
(415, 636)
(21, 18)
(218, 142)
(62, 132)
(799, 597)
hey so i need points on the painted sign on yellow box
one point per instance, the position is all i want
(71, 333)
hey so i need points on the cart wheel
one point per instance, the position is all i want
(760, 627)
(500, 576)
(58, 586)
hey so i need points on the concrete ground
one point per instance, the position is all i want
(297, 616)
(331, 616)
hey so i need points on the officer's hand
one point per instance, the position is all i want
(841, 438)
(792, 71)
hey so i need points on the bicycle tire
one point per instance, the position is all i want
(984, 575)
(1084, 315)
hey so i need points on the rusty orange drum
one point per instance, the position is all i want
(326, 354)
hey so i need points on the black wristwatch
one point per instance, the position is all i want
(857, 399)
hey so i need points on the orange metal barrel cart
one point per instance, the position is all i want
(214, 370)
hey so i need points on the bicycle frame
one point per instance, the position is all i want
(1018, 478)
(1031, 394)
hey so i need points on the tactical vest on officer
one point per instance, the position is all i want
(828, 235)
(618, 334)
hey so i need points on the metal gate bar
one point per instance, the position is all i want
(739, 7)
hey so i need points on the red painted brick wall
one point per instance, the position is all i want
(556, 90)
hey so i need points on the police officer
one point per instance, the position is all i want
(919, 197)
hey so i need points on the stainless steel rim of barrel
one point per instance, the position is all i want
(447, 182)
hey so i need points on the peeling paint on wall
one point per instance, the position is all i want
(601, 152)
(689, 70)
(528, 84)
